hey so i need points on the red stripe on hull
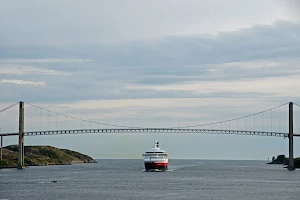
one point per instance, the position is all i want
(156, 165)
(160, 164)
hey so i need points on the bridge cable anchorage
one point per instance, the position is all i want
(9, 107)
(243, 117)
(79, 119)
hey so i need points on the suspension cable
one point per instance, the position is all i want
(9, 107)
(79, 119)
(234, 118)
(114, 125)
(296, 104)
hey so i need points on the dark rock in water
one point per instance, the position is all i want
(279, 160)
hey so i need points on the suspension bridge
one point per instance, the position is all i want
(264, 123)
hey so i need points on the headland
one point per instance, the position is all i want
(41, 156)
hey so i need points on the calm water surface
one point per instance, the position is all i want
(125, 179)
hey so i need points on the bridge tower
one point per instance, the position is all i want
(21, 163)
(291, 137)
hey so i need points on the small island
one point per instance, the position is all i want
(42, 155)
(281, 159)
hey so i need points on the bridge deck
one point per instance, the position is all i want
(151, 130)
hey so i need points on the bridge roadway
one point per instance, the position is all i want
(152, 130)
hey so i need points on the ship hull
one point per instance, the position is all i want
(162, 166)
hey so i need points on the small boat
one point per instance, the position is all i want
(156, 158)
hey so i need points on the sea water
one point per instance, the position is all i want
(127, 179)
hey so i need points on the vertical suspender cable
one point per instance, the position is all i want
(254, 123)
(271, 120)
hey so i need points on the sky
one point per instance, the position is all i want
(164, 63)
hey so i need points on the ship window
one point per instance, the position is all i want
(154, 154)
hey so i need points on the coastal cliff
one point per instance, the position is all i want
(42, 155)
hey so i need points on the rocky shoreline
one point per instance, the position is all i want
(42, 156)
(282, 160)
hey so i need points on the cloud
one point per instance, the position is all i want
(22, 82)
(267, 86)
(194, 66)
(293, 7)
(25, 69)
(118, 21)
(44, 60)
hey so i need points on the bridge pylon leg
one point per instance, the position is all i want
(21, 163)
(1, 146)
(291, 138)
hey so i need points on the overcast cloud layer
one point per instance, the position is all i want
(164, 63)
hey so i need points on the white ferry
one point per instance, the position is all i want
(156, 158)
